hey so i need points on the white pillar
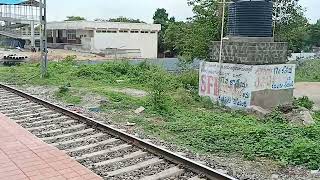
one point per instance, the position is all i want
(32, 34)
(54, 36)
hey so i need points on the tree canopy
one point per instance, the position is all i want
(314, 34)
(162, 17)
(120, 19)
(75, 18)
(193, 37)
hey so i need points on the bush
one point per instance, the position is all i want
(189, 79)
(305, 152)
(304, 102)
(64, 89)
(70, 59)
(275, 116)
(159, 87)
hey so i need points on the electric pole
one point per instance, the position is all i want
(43, 38)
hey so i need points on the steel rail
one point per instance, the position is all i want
(168, 155)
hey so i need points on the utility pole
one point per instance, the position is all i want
(43, 38)
(221, 45)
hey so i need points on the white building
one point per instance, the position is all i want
(131, 40)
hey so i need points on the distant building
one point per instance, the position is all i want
(131, 40)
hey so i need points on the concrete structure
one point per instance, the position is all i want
(253, 51)
(131, 40)
(242, 86)
(19, 22)
(252, 70)
(253, 73)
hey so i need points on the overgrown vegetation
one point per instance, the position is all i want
(308, 71)
(64, 93)
(176, 113)
(304, 102)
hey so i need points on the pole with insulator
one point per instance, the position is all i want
(43, 38)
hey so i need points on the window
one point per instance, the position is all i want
(153, 32)
(112, 31)
(123, 31)
(145, 32)
(134, 31)
(101, 30)
(71, 35)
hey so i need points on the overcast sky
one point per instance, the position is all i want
(138, 9)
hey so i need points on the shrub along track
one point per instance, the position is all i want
(110, 153)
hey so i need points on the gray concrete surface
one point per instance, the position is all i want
(268, 99)
(310, 89)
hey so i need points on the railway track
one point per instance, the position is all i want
(108, 152)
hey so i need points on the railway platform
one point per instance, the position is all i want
(25, 157)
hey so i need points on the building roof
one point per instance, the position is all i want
(102, 25)
(20, 2)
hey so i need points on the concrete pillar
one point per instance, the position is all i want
(54, 35)
(32, 34)
(26, 30)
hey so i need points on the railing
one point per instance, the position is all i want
(23, 34)
(20, 17)
(20, 12)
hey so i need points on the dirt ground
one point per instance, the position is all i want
(231, 164)
(310, 89)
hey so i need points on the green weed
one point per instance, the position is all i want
(304, 102)
(65, 94)
(308, 71)
(176, 113)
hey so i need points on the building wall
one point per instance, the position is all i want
(113, 35)
(146, 42)
(86, 33)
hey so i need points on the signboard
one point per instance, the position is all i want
(237, 82)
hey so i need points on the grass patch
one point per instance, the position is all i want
(69, 98)
(66, 95)
(308, 71)
(304, 102)
(176, 113)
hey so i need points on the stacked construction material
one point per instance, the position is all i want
(13, 59)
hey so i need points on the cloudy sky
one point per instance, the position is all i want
(138, 9)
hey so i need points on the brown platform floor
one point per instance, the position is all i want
(25, 157)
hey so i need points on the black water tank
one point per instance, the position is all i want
(250, 18)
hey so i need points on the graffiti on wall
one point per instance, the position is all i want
(236, 82)
(233, 86)
(275, 77)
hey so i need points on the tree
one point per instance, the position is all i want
(75, 18)
(205, 26)
(121, 19)
(192, 39)
(291, 25)
(314, 39)
(174, 38)
(162, 17)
